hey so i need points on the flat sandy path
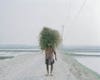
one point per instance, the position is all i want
(32, 67)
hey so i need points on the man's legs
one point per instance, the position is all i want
(51, 69)
(47, 66)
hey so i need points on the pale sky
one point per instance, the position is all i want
(22, 20)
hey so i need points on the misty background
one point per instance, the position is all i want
(22, 20)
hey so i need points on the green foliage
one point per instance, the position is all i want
(49, 37)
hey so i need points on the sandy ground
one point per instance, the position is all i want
(32, 67)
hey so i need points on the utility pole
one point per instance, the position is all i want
(62, 34)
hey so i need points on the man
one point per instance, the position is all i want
(49, 58)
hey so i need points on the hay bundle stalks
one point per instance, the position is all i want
(49, 37)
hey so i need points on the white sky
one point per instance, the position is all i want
(22, 20)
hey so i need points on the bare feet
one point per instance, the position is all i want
(47, 74)
(51, 74)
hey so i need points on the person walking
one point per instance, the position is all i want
(50, 57)
(49, 40)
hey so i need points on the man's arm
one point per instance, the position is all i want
(55, 54)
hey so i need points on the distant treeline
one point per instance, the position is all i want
(82, 48)
(18, 46)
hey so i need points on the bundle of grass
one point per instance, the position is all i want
(50, 37)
